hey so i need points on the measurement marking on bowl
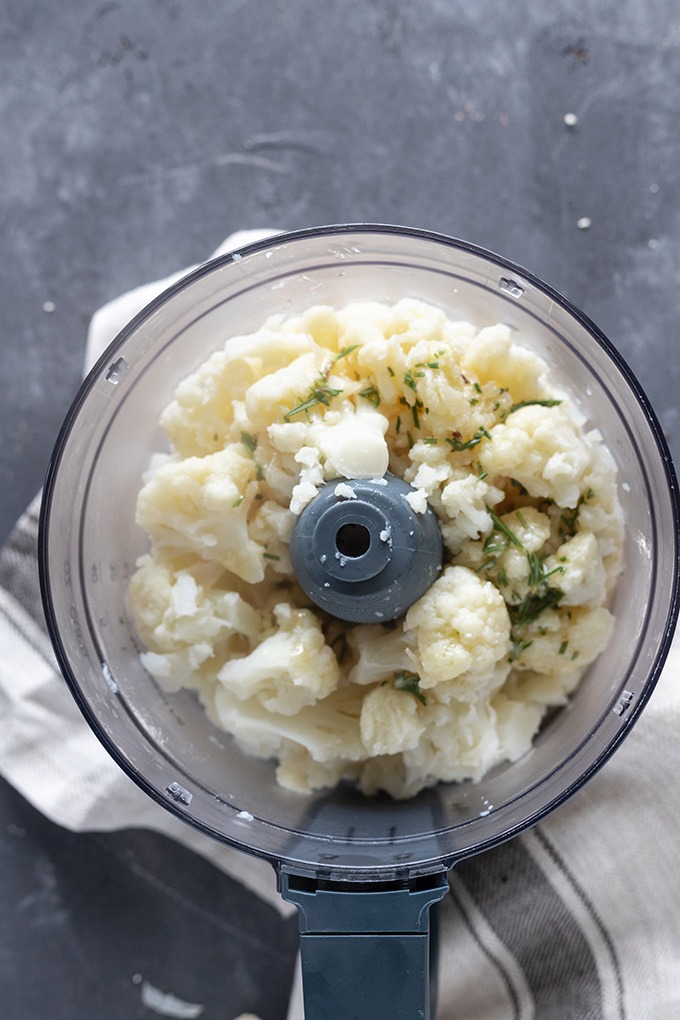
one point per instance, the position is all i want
(117, 370)
(624, 702)
(511, 287)
(179, 794)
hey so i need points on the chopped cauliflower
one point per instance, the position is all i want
(541, 448)
(390, 723)
(291, 668)
(200, 505)
(461, 631)
(527, 504)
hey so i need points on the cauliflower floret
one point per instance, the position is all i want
(299, 771)
(560, 638)
(186, 623)
(540, 447)
(289, 669)
(379, 653)
(461, 630)
(460, 743)
(276, 394)
(354, 447)
(517, 723)
(493, 357)
(390, 721)
(466, 499)
(270, 527)
(327, 730)
(543, 689)
(322, 323)
(582, 576)
(200, 505)
(198, 419)
(177, 607)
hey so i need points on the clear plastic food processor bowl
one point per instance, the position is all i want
(89, 545)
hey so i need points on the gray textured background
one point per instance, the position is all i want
(134, 136)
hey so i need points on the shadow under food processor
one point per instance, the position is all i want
(362, 871)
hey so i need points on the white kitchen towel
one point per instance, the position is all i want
(578, 919)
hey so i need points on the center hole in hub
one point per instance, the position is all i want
(353, 540)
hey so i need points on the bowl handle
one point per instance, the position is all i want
(365, 947)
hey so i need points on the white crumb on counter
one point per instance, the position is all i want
(166, 1004)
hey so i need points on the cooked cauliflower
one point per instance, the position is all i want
(461, 631)
(291, 668)
(526, 500)
(200, 505)
(541, 448)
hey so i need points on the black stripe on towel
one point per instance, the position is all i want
(529, 917)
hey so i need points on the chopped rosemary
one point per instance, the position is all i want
(250, 442)
(410, 382)
(532, 605)
(569, 517)
(457, 443)
(430, 440)
(518, 646)
(476, 387)
(320, 393)
(416, 419)
(530, 403)
(403, 680)
(501, 526)
(345, 351)
(371, 393)
(520, 488)
(563, 647)
(270, 556)
(343, 646)
(237, 501)
(535, 569)
(390, 371)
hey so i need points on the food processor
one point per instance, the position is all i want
(364, 872)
